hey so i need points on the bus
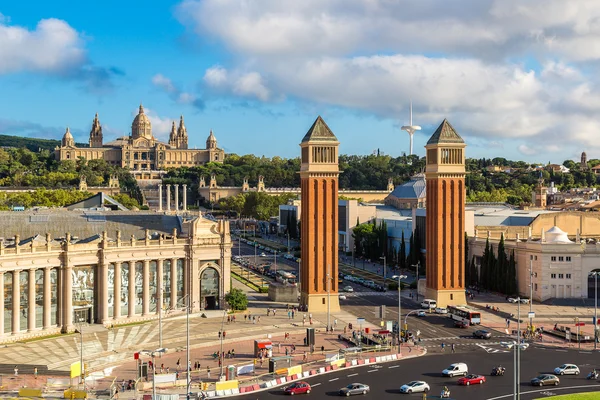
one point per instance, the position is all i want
(465, 315)
(286, 277)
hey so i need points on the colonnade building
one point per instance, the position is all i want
(107, 268)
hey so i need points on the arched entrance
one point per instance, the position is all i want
(209, 289)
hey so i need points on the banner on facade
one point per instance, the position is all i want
(245, 369)
(165, 378)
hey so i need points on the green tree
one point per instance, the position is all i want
(237, 299)
(402, 254)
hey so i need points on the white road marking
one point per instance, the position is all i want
(351, 375)
(372, 370)
(561, 350)
(585, 352)
(316, 384)
(394, 366)
(334, 379)
(554, 388)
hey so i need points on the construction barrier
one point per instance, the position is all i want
(29, 392)
(294, 370)
(75, 394)
(226, 385)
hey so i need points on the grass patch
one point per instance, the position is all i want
(38, 339)
(250, 284)
(132, 324)
(576, 396)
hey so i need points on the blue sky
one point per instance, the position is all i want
(516, 82)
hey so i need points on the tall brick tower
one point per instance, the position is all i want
(445, 217)
(319, 219)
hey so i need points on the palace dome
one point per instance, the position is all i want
(141, 126)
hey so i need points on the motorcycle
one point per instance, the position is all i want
(498, 371)
(445, 394)
(592, 375)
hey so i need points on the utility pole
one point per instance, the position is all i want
(328, 297)
(384, 274)
(530, 292)
(82, 369)
(187, 350)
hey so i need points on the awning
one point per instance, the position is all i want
(265, 345)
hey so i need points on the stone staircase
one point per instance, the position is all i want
(149, 188)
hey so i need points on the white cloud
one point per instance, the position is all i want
(179, 96)
(497, 69)
(163, 82)
(53, 46)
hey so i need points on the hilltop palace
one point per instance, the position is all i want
(141, 151)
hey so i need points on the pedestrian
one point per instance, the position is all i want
(286, 351)
(323, 349)
(245, 317)
(335, 323)
(289, 315)
(116, 395)
(293, 314)
(168, 369)
(305, 357)
(453, 349)
(224, 333)
(443, 346)
(303, 321)
(16, 371)
(219, 334)
(35, 372)
(232, 353)
(208, 372)
(123, 385)
(258, 319)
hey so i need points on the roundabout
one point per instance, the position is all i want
(386, 379)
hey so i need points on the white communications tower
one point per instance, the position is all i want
(411, 129)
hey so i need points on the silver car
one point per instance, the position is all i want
(354, 388)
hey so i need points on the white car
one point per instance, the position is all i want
(342, 297)
(348, 289)
(513, 300)
(440, 310)
(415, 387)
(567, 369)
(524, 301)
(263, 255)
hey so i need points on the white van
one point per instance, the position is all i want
(456, 369)
(428, 303)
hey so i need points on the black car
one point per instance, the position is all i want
(482, 334)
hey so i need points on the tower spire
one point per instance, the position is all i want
(411, 129)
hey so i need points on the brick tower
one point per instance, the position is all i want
(319, 220)
(445, 217)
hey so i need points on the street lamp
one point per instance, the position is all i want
(595, 275)
(329, 277)
(383, 257)
(517, 346)
(152, 353)
(399, 277)
(221, 355)
(417, 267)
(81, 369)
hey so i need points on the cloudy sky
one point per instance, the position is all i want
(516, 78)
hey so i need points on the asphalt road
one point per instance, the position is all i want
(386, 379)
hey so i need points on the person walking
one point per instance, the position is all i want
(207, 372)
(453, 348)
(35, 373)
(16, 371)
(443, 346)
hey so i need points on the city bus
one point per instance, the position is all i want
(465, 315)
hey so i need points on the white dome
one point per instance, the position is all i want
(557, 235)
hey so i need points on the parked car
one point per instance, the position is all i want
(440, 310)
(524, 301)
(348, 289)
(421, 314)
(263, 255)
(567, 369)
(460, 324)
(513, 300)
(545, 380)
(456, 369)
(482, 334)
(471, 379)
(428, 303)
(354, 388)
(415, 387)
(300, 387)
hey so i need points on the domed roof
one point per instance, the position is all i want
(557, 235)
(141, 118)
(67, 134)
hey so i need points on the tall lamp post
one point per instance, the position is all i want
(595, 275)
(417, 267)
(152, 353)
(81, 369)
(399, 277)
(328, 297)
(221, 354)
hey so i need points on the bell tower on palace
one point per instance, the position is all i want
(319, 219)
(445, 217)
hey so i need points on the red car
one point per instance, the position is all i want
(461, 324)
(297, 388)
(471, 380)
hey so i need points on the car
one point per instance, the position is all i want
(421, 314)
(342, 296)
(460, 324)
(440, 310)
(354, 388)
(263, 255)
(428, 303)
(299, 387)
(524, 301)
(456, 369)
(471, 379)
(545, 380)
(348, 289)
(513, 300)
(415, 387)
(567, 369)
(482, 334)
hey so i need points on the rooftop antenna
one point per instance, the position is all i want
(411, 129)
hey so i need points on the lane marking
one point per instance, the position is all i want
(373, 370)
(394, 366)
(554, 388)
(585, 352)
(316, 384)
(351, 375)
(562, 350)
(334, 379)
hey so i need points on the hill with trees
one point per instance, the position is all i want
(33, 144)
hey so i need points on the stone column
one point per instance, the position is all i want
(168, 197)
(131, 291)
(117, 292)
(159, 285)
(160, 197)
(184, 192)
(173, 284)
(67, 295)
(103, 300)
(31, 301)
(1, 303)
(176, 189)
(16, 310)
(47, 298)
(146, 288)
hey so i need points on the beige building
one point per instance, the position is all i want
(141, 151)
(59, 268)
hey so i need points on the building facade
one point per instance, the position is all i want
(445, 216)
(50, 284)
(319, 218)
(141, 151)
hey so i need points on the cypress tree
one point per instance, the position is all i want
(502, 269)
(485, 265)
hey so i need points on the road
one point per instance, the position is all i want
(386, 379)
